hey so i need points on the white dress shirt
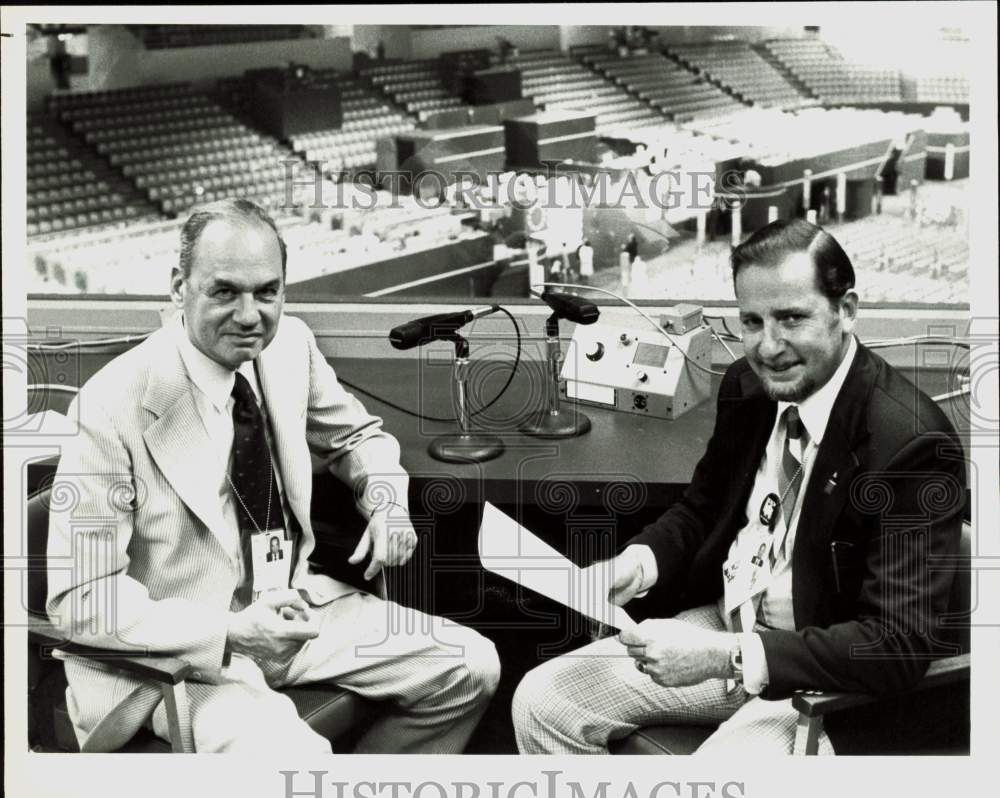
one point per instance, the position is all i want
(213, 387)
(776, 604)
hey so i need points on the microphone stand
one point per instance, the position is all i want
(553, 422)
(464, 446)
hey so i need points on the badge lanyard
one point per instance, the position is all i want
(265, 575)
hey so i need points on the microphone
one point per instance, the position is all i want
(433, 328)
(571, 307)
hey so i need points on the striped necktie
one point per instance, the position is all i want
(790, 472)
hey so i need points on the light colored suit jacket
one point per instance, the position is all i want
(136, 554)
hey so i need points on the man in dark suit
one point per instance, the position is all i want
(823, 457)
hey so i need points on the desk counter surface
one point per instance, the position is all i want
(619, 448)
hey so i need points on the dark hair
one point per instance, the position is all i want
(772, 244)
(239, 210)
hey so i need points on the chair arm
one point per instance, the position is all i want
(949, 670)
(164, 670)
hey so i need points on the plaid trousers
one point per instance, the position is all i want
(577, 703)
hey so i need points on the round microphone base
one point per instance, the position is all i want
(458, 448)
(564, 424)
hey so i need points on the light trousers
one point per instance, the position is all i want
(436, 676)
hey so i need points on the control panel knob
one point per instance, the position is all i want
(625, 339)
(642, 376)
(596, 353)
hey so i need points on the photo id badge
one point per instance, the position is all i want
(272, 558)
(747, 572)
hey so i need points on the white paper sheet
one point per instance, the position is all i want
(509, 550)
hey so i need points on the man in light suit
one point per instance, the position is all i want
(800, 557)
(149, 555)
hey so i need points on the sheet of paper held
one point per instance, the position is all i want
(509, 550)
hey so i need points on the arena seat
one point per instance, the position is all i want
(559, 82)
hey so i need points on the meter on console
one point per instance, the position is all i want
(637, 370)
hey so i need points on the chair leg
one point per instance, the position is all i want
(807, 732)
(178, 717)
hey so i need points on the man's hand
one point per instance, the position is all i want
(273, 627)
(675, 653)
(623, 575)
(389, 537)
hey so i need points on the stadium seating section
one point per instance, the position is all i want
(415, 86)
(737, 67)
(110, 172)
(673, 90)
(367, 117)
(824, 72)
(555, 81)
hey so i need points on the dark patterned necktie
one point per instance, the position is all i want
(790, 473)
(258, 505)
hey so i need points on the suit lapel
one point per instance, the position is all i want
(754, 420)
(177, 439)
(837, 461)
(760, 413)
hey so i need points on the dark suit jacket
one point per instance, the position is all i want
(884, 501)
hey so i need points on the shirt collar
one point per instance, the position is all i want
(214, 380)
(815, 409)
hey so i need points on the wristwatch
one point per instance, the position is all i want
(736, 661)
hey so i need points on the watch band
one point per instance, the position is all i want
(736, 662)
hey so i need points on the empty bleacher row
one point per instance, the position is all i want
(735, 65)
(194, 151)
(942, 89)
(69, 188)
(823, 70)
(367, 118)
(675, 91)
(413, 85)
(555, 81)
(871, 84)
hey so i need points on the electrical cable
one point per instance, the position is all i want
(645, 315)
(483, 409)
(725, 326)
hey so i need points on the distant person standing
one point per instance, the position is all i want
(566, 267)
(585, 253)
(380, 51)
(632, 247)
(536, 271)
(625, 266)
(555, 267)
